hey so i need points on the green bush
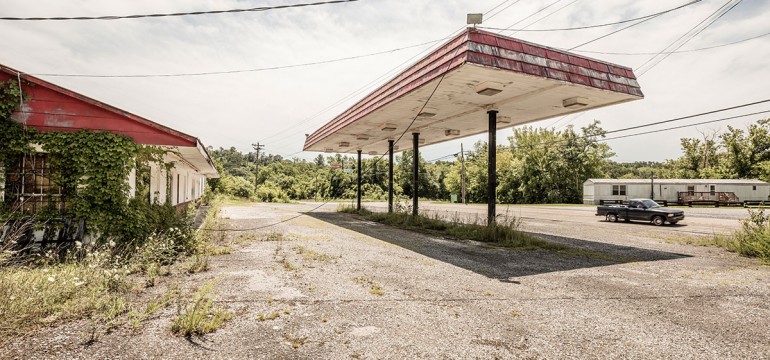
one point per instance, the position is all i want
(754, 237)
(271, 192)
(236, 186)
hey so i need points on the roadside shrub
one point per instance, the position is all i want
(754, 237)
(236, 186)
(271, 192)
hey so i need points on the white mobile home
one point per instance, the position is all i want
(596, 190)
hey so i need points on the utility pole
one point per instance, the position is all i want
(257, 147)
(462, 172)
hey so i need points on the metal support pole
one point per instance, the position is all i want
(358, 182)
(415, 171)
(390, 175)
(492, 168)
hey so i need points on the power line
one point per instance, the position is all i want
(158, 15)
(579, 27)
(634, 24)
(531, 15)
(689, 37)
(677, 51)
(241, 70)
(373, 82)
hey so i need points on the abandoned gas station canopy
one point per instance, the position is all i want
(473, 73)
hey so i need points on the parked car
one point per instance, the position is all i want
(640, 209)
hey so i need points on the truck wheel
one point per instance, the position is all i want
(612, 218)
(658, 220)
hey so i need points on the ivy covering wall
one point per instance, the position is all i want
(92, 170)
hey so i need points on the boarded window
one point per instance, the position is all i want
(619, 190)
(29, 186)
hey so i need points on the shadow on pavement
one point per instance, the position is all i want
(503, 264)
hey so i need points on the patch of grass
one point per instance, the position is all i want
(515, 313)
(752, 240)
(31, 297)
(153, 305)
(287, 265)
(275, 236)
(295, 342)
(197, 263)
(272, 316)
(374, 288)
(221, 250)
(200, 317)
(312, 255)
(504, 232)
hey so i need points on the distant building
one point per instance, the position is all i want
(49, 107)
(675, 190)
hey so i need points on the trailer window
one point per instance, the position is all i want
(619, 190)
(690, 190)
(754, 187)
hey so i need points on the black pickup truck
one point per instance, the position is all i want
(640, 209)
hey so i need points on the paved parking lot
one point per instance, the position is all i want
(343, 287)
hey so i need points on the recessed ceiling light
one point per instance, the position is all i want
(388, 127)
(574, 102)
(426, 114)
(328, 150)
(489, 88)
(344, 144)
(503, 119)
(373, 153)
(451, 132)
(362, 137)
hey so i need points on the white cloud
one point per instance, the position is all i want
(239, 109)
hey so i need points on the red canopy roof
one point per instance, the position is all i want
(526, 82)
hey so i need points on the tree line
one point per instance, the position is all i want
(536, 166)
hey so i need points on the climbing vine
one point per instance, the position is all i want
(92, 168)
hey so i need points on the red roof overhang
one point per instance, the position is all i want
(534, 83)
(50, 107)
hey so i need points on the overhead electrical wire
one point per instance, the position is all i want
(634, 24)
(666, 122)
(206, 73)
(177, 14)
(375, 81)
(543, 18)
(689, 35)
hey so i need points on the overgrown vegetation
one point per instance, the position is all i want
(504, 232)
(199, 316)
(101, 282)
(752, 240)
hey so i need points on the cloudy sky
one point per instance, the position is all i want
(278, 106)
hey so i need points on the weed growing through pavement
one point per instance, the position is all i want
(308, 254)
(272, 316)
(199, 316)
(374, 288)
(197, 263)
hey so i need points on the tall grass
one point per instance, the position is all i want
(199, 316)
(504, 232)
(754, 237)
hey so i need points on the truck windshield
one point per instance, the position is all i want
(650, 204)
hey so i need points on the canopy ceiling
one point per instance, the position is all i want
(475, 72)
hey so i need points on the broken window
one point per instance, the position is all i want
(29, 185)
